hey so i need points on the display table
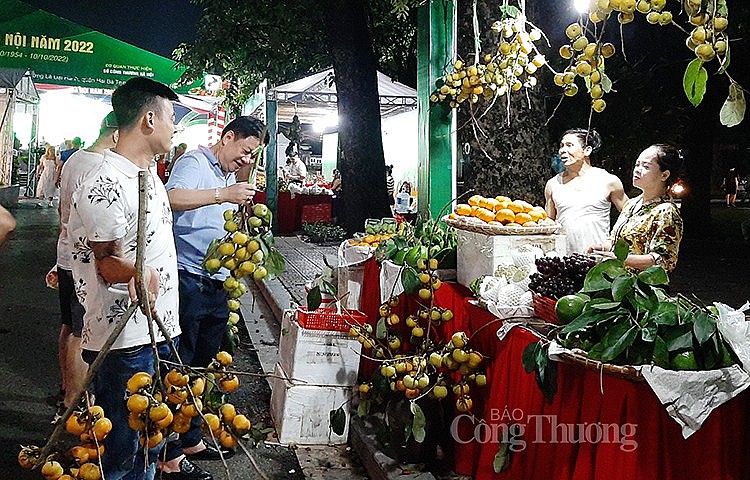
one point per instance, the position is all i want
(641, 441)
(597, 427)
(292, 212)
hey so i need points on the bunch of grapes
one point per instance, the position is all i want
(560, 276)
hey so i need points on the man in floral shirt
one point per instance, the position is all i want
(103, 226)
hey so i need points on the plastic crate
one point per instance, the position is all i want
(544, 308)
(329, 319)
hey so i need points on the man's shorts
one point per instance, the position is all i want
(71, 310)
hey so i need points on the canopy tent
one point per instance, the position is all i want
(17, 93)
(313, 98)
(61, 52)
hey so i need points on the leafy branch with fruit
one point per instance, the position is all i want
(510, 63)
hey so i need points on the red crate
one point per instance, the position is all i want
(316, 212)
(329, 319)
(544, 308)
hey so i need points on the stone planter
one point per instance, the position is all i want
(9, 195)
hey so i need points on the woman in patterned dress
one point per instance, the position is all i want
(650, 223)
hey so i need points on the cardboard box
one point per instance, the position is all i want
(479, 254)
(301, 413)
(318, 357)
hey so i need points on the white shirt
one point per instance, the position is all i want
(297, 169)
(105, 208)
(74, 171)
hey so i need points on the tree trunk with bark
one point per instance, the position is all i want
(503, 159)
(362, 162)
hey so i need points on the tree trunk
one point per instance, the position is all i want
(503, 159)
(362, 162)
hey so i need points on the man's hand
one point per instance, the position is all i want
(239, 193)
(151, 280)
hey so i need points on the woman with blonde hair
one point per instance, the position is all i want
(46, 175)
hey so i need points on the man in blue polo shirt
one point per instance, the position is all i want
(201, 186)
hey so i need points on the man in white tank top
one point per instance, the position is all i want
(580, 197)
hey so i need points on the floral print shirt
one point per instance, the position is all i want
(651, 227)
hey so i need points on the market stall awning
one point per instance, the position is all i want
(61, 52)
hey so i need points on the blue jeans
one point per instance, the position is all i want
(123, 458)
(203, 321)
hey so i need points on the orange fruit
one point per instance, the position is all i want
(138, 403)
(241, 424)
(138, 381)
(74, 426)
(80, 453)
(102, 427)
(181, 423)
(523, 218)
(52, 470)
(505, 215)
(228, 412)
(515, 206)
(176, 378)
(537, 215)
(230, 383)
(198, 386)
(96, 412)
(89, 471)
(225, 358)
(135, 422)
(158, 412)
(212, 421)
(569, 307)
(474, 200)
(227, 440)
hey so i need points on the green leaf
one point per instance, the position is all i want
(679, 337)
(381, 331)
(275, 262)
(606, 83)
(621, 250)
(621, 286)
(502, 458)
(328, 288)
(314, 299)
(418, 423)
(410, 280)
(664, 314)
(605, 305)
(617, 340)
(733, 110)
(588, 317)
(654, 275)
(510, 11)
(703, 327)
(528, 356)
(595, 280)
(694, 81)
(648, 333)
(661, 353)
(363, 409)
(338, 420)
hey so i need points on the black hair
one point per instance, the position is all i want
(669, 158)
(587, 138)
(389, 169)
(244, 127)
(138, 94)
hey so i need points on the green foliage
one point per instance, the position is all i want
(630, 320)
(320, 232)
(694, 82)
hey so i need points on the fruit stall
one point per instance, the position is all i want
(294, 210)
(555, 336)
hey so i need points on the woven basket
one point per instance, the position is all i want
(472, 224)
(544, 308)
(621, 371)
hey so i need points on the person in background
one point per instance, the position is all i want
(650, 223)
(103, 227)
(47, 181)
(201, 187)
(336, 189)
(161, 166)
(390, 185)
(731, 183)
(179, 150)
(71, 146)
(297, 171)
(581, 196)
(74, 171)
(7, 225)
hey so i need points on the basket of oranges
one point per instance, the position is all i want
(501, 216)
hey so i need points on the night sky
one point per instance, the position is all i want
(158, 26)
